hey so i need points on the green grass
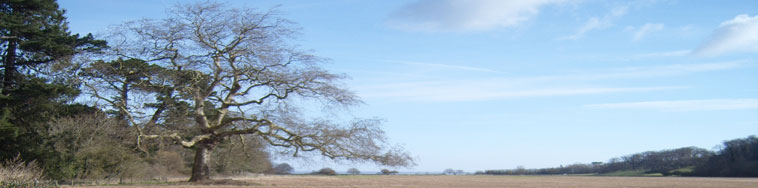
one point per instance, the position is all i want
(685, 170)
(632, 173)
(641, 173)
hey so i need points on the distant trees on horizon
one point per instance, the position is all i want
(736, 158)
(388, 172)
(450, 171)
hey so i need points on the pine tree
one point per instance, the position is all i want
(34, 34)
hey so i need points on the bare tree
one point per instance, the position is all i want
(218, 72)
(353, 171)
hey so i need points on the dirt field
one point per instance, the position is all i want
(478, 181)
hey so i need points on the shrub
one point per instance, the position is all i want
(283, 168)
(327, 171)
(16, 173)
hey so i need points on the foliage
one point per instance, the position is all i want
(93, 146)
(27, 111)
(737, 158)
(35, 45)
(35, 33)
(40, 31)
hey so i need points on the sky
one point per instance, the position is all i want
(496, 84)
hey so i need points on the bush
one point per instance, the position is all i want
(283, 168)
(327, 171)
(15, 173)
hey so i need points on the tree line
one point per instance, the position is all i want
(735, 158)
(209, 89)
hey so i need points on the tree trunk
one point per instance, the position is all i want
(9, 65)
(121, 116)
(201, 169)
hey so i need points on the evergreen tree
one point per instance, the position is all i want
(33, 36)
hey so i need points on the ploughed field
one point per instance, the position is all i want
(423, 181)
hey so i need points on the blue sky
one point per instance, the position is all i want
(490, 84)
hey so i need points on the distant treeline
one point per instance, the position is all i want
(736, 158)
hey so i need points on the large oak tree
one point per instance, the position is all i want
(209, 72)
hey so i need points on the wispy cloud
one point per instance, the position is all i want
(464, 15)
(675, 53)
(736, 35)
(644, 71)
(645, 56)
(683, 105)
(483, 90)
(468, 89)
(669, 70)
(645, 30)
(595, 23)
(444, 66)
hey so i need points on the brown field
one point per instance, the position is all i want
(475, 182)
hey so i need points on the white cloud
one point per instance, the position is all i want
(733, 36)
(596, 23)
(646, 29)
(465, 15)
(684, 105)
